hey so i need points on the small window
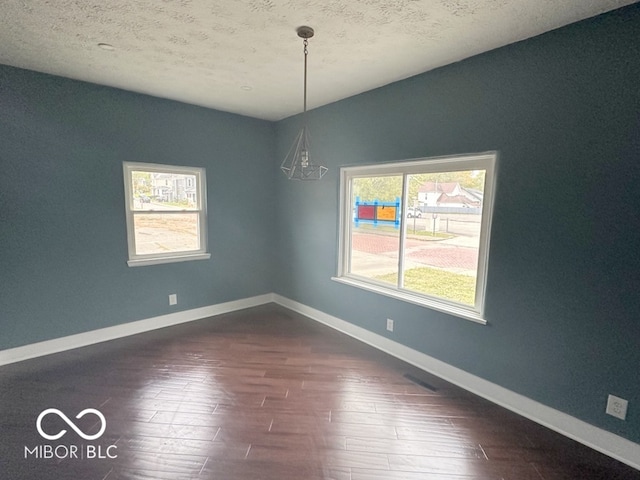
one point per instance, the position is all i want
(419, 230)
(166, 213)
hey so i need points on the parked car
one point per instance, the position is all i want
(414, 212)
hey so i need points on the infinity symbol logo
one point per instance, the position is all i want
(46, 412)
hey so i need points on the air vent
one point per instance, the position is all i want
(417, 381)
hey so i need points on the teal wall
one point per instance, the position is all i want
(563, 292)
(63, 241)
(563, 295)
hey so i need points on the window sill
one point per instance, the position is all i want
(141, 262)
(454, 310)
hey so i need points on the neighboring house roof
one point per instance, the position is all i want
(444, 187)
(452, 193)
(474, 193)
(458, 199)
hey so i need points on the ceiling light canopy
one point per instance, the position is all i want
(298, 164)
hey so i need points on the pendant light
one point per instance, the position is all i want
(298, 165)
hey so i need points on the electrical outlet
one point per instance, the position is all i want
(389, 324)
(173, 299)
(617, 407)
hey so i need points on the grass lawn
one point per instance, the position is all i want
(439, 283)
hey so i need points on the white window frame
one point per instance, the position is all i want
(136, 260)
(480, 161)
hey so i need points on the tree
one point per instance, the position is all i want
(383, 189)
(388, 188)
(141, 183)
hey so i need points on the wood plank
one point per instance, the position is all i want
(265, 393)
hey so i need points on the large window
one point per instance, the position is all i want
(166, 213)
(419, 230)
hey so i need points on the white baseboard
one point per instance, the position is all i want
(601, 440)
(84, 339)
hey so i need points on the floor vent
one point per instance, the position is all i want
(417, 381)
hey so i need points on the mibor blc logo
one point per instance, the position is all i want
(71, 451)
(48, 411)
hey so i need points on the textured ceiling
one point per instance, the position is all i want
(244, 56)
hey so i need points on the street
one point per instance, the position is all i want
(376, 253)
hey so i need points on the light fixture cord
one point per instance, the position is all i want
(306, 52)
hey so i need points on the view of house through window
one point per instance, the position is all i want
(420, 228)
(165, 212)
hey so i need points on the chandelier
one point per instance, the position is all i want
(298, 165)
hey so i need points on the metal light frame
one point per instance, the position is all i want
(297, 165)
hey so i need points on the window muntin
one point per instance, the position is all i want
(166, 213)
(435, 252)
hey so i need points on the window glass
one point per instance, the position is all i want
(420, 230)
(375, 234)
(166, 215)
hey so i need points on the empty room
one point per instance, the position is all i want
(366, 240)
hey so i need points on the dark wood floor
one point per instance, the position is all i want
(266, 394)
